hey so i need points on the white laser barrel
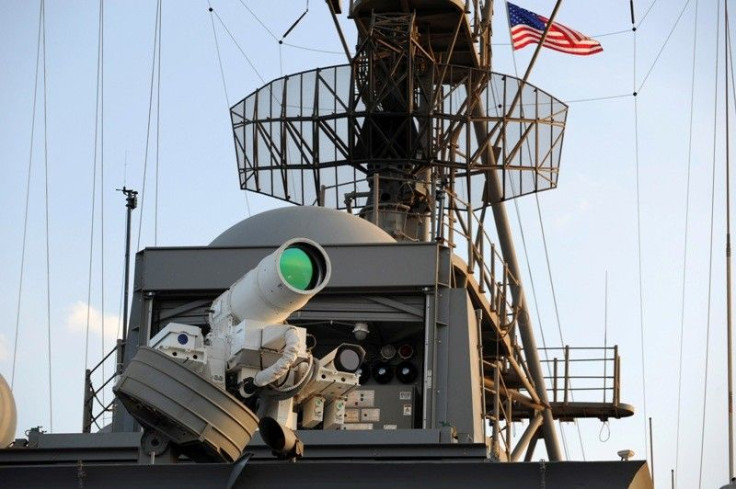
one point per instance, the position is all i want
(282, 283)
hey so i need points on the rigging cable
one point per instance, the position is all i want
(219, 57)
(158, 124)
(605, 426)
(605, 337)
(536, 308)
(292, 26)
(596, 99)
(288, 31)
(314, 50)
(247, 59)
(102, 188)
(638, 241)
(651, 67)
(281, 41)
(148, 127)
(119, 332)
(270, 33)
(635, 27)
(646, 14)
(281, 67)
(554, 302)
(685, 239)
(710, 256)
(25, 215)
(661, 50)
(94, 187)
(281, 60)
(46, 203)
(224, 84)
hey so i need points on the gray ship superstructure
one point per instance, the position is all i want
(374, 331)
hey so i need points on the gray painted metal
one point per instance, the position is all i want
(204, 420)
(324, 475)
(320, 444)
(50, 448)
(458, 400)
(402, 266)
(391, 407)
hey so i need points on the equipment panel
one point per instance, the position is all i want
(380, 407)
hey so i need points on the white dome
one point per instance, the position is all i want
(8, 415)
(320, 224)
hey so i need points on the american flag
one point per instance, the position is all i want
(528, 27)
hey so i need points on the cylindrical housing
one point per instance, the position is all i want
(282, 283)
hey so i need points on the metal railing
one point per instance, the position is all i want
(463, 229)
(501, 409)
(95, 408)
(579, 366)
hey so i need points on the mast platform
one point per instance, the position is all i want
(442, 24)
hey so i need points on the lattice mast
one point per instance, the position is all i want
(419, 136)
(401, 125)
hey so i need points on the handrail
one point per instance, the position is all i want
(560, 380)
(501, 410)
(89, 415)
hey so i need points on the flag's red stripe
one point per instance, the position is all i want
(560, 48)
(588, 42)
(521, 37)
(559, 38)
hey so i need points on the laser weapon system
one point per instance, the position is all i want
(249, 352)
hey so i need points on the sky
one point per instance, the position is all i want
(589, 221)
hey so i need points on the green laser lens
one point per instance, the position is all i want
(296, 268)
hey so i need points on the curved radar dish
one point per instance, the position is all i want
(526, 138)
(8, 414)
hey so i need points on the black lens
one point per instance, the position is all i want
(383, 373)
(406, 372)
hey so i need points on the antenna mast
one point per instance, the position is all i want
(131, 202)
(728, 261)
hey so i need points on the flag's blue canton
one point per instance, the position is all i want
(518, 15)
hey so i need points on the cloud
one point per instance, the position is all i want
(76, 321)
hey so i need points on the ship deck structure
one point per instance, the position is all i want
(399, 165)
